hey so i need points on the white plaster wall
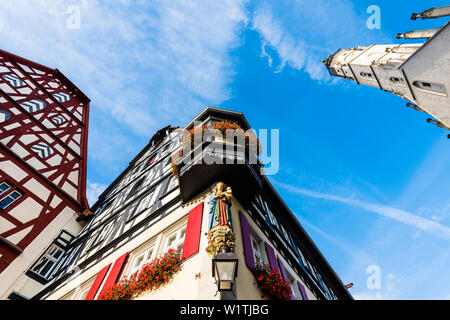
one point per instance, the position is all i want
(27, 210)
(13, 278)
(431, 64)
(37, 189)
(13, 170)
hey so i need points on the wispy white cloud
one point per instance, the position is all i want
(429, 226)
(346, 247)
(293, 52)
(304, 32)
(93, 190)
(144, 64)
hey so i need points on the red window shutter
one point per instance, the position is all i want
(248, 250)
(193, 229)
(272, 258)
(116, 272)
(151, 160)
(97, 282)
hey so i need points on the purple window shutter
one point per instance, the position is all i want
(248, 250)
(272, 258)
(284, 274)
(302, 290)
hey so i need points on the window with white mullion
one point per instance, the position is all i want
(141, 260)
(175, 240)
(296, 294)
(256, 245)
(48, 261)
(146, 202)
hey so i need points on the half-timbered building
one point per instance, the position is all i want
(43, 148)
(156, 205)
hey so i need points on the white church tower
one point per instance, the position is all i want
(416, 72)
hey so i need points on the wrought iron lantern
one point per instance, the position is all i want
(224, 269)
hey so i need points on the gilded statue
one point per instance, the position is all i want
(220, 225)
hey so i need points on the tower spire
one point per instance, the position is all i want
(416, 72)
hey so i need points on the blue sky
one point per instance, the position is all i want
(368, 178)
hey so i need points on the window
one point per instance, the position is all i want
(10, 198)
(430, 87)
(102, 235)
(4, 187)
(366, 75)
(142, 259)
(296, 294)
(397, 80)
(166, 147)
(136, 186)
(172, 184)
(257, 252)
(152, 159)
(8, 193)
(175, 240)
(136, 208)
(48, 261)
(271, 217)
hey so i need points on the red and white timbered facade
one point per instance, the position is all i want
(43, 149)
